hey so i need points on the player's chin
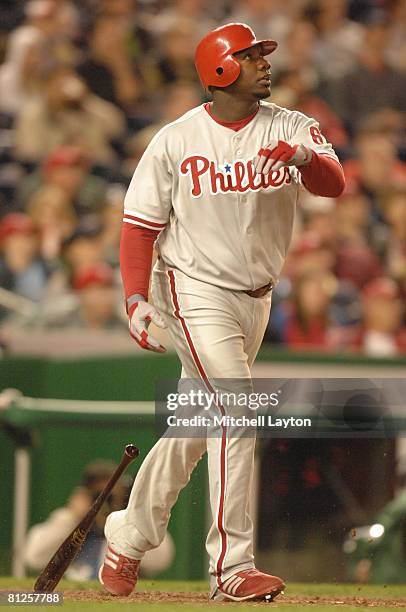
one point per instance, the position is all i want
(262, 91)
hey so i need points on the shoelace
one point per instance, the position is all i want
(130, 568)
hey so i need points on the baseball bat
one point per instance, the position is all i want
(53, 572)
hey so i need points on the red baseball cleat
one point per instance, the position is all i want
(250, 584)
(119, 574)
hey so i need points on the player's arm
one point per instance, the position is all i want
(146, 211)
(136, 248)
(320, 171)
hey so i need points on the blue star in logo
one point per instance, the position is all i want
(227, 167)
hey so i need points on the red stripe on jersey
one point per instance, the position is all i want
(153, 224)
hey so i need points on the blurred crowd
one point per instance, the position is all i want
(85, 84)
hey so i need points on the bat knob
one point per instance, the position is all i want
(132, 451)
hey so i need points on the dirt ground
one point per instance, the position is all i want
(196, 597)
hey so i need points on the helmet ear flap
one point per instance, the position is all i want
(226, 72)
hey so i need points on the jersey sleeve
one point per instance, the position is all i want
(148, 199)
(306, 131)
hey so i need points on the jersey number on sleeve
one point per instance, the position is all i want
(316, 135)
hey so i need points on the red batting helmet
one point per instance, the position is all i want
(214, 59)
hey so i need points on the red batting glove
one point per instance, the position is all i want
(140, 315)
(279, 153)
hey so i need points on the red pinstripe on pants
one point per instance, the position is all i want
(204, 377)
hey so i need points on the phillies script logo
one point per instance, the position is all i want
(239, 176)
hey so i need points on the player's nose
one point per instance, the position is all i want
(263, 63)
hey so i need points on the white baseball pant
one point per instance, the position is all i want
(217, 334)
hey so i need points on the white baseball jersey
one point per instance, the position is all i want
(222, 224)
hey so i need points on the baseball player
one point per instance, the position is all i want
(215, 192)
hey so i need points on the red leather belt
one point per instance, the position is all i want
(261, 291)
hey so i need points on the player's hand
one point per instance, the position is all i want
(140, 316)
(279, 153)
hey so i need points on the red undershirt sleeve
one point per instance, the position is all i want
(323, 176)
(136, 248)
